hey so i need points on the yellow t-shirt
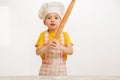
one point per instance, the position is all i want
(41, 41)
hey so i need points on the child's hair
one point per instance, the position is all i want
(51, 7)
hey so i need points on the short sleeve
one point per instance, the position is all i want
(40, 41)
(67, 38)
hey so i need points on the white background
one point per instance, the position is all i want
(94, 28)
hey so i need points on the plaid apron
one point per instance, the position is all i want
(53, 63)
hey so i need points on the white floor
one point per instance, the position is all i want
(60, 78)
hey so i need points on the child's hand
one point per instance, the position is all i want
(54, 44)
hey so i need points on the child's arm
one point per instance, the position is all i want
(54, 44)
(40, 50)
(66, 49)
(43, 49)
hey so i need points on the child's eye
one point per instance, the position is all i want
(56, 17)
(49, 18)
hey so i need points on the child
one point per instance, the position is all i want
(53, 52)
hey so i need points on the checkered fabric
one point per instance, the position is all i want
(53, 63)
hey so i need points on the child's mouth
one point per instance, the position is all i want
(52, 24)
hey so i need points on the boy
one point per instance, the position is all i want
(53, 51)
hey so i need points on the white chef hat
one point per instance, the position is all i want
(51, 7)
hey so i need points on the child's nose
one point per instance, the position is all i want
(52, 19)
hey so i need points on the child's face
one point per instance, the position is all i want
(52, 21)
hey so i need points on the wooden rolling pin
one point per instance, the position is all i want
(60, 28)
